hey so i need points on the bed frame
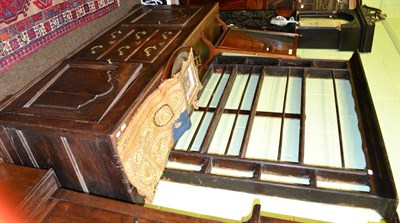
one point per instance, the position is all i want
(349, 180)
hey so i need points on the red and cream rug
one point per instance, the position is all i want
(28, 25)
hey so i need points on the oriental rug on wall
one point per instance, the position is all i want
(28, 25)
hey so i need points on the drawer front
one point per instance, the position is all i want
(130, 45)
(141, 45)
(99, 47)
(151, 50)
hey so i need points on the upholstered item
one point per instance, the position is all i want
(145, 153)
(157, 125)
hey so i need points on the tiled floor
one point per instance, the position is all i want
(382, 67)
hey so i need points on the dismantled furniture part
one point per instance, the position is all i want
(253, 42)
(344, 29)
(278, 4)
(294, 128)
(255, 19)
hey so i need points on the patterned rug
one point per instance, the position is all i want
(28, 25)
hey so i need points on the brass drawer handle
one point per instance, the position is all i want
(140, 33)
(93, 49)
(164, 35)
(147, 50)
(114, 34)
(122, 48)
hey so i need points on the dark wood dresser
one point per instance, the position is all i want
(70, 118)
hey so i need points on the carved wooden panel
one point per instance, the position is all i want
(82, 91)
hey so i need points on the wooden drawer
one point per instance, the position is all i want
(156, 45)
(99, 47)
(141, 45)
(130, 45)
